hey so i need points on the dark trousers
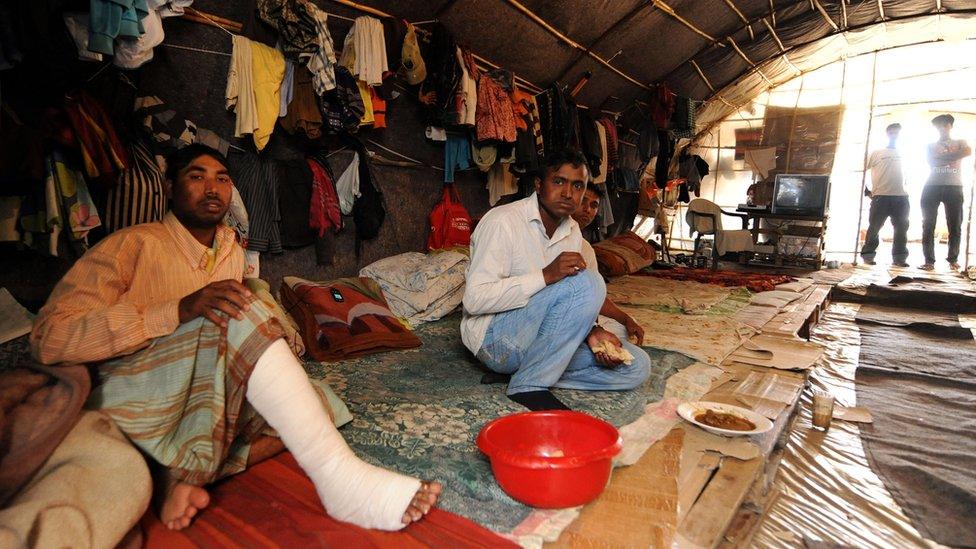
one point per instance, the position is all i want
(883, 207)
(951, 197)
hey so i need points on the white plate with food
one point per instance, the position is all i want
(724, 419)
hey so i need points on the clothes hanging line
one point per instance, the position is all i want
(198, 50)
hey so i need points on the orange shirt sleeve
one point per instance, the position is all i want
(85, 320)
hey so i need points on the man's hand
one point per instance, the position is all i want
(868, 193)
(566, 264)
(634, 331)
(598, 335)
(229, 296)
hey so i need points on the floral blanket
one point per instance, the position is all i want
(419, 410)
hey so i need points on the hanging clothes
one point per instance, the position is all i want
(501, 182)
(556, 119)
(590, 146)
(683, 118)
(602, 135)
(294, 200)
(78, 212)
(112, 19)
(267, 70)
(605, 211)
(139, 196)
(364, 51)
(379, 108)
(528, 141)
(648, 142)
(132, 54)
(170, 131)
(688, 170)
(662, 106)
(343, 106)
(287, 92)
(466, 95)
(364, 94)
(295, 26)
(443, 77)
(484, 155)
(239, 93)
(321, 63)
(495, 113)
(101, 149)
(665, 152)
(347, 186)
(303, 112)
(324, 213)
(256, 179)
(612, 143)
(457, 154)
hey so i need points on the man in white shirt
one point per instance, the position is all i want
(888, 199)
(531, 303)
(944, 186)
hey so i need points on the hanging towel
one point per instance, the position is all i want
(364, 51)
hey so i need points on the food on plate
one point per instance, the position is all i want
(723, 420)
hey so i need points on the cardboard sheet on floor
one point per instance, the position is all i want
(704, 338)
(15, 320)
(774, 298)
(767, 393)
(756, 316)
(797, 285)
(640, 506)
(778, 352)
(646, 291)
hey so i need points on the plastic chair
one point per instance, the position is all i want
(704, 217)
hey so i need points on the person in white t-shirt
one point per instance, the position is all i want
(888, 199)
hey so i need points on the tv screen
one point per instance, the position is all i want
(801, 194)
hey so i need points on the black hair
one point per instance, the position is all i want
(895, 126)
(944, 119)
(595, 189)
(559, 157)
(181, 158)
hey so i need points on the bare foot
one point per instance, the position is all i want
(422, 502)
(182, 503)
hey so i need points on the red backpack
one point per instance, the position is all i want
(450, 224)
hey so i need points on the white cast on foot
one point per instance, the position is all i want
(350, 489)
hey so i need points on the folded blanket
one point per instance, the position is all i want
(420, 287)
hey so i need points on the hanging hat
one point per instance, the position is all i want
(411, 63)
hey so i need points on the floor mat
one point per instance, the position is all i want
(932, 294)
(919, 382)
(756, 282)
(274, 504)
(418, 411)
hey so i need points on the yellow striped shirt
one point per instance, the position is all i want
(126, 290)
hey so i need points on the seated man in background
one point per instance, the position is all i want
(616, 321)
(192, 368)
(531, 302)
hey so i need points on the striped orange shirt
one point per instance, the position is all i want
(126, 290)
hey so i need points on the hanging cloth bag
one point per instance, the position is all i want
(450, 224)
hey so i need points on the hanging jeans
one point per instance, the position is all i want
(543, 344)
(883, 207)
(951, 197)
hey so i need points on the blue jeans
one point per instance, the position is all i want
(543, 344)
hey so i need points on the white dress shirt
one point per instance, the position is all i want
(509, 249)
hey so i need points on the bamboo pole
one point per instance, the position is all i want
(969, 221)
(864, 171)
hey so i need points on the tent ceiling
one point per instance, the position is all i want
(655, 41)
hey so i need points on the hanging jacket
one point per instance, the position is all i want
(101, 150)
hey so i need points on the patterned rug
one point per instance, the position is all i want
(419, 410)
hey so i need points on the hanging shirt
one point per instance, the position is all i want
(239, 93)
(267, 70)
(886, 175)
(321, 63)
(509, 250)
(348, 186)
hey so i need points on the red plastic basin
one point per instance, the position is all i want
(551, 459)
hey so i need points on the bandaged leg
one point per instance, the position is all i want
(350, 489)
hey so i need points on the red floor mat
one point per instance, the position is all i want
(756, 282)
(274, 504)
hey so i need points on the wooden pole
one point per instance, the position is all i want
(864, 172)
(969, 220)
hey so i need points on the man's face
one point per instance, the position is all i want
(943, 128)
(561, 192)
(586, 212)
(201, 193)
(893, 134)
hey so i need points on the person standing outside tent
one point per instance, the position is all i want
(944, 186)
(888, 199)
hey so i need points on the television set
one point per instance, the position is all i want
(801, 194)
